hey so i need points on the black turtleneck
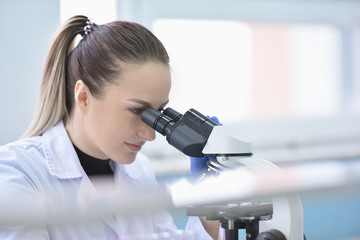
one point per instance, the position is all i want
(94, 166)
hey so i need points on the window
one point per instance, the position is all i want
(251, 70)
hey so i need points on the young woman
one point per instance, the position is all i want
(88, 122)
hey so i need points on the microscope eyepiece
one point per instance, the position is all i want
(157, 120)
(172, 114)
(188, 133)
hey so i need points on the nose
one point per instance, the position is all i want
(146, 132)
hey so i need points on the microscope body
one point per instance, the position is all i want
(196, 135)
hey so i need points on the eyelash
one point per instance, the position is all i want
(138, 111)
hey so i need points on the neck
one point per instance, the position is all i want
(77, 132)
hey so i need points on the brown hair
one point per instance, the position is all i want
(96, 60)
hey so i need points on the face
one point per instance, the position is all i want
(112, 125)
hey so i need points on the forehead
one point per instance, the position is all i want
(147, 73)
(149, 81)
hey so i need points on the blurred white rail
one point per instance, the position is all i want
(310, 177)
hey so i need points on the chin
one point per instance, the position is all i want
(126, 159)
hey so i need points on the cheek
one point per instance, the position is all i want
(102, 121)
(114, 126)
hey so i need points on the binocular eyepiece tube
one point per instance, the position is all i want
(188, 133)
(161, 122)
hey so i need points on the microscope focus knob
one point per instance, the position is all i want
(271, 235)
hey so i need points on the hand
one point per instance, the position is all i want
(199, 165)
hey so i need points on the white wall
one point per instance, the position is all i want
(26, 31)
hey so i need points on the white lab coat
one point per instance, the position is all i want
(49, 164)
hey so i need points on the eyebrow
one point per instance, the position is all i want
(146, 104)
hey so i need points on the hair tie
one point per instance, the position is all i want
(88, 26)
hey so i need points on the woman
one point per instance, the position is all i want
(88, 122)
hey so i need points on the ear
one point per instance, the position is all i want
(81, 94)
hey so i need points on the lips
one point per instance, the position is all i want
(134, 147)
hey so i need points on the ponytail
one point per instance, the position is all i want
(51, 106)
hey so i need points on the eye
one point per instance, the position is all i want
(137, 111)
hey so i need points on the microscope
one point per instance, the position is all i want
(195, 135)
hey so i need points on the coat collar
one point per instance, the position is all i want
(60, 154)
(63, 161)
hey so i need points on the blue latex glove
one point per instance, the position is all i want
(199, 165)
